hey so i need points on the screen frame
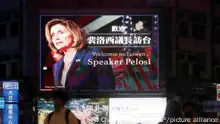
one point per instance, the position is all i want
(101, 94)
(164, 35)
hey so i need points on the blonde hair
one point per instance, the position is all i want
(72, 27)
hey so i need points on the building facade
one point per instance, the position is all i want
(192, 38)
(193, 52)
(216, 39)
(11, 48)
(195, 40)
(192, 44)
(193, 48)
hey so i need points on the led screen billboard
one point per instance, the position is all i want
(110, 110)
(89, 111)
(99, 52)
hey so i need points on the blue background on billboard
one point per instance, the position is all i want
(2, 102)
(10, 91)
(10, 115)
(10, 95)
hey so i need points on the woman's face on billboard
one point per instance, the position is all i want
(61, 37)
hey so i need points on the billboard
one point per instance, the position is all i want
(9, 92)
(89, 111)
(110, 110)
(2, 102)
(10, 114)
(99, 52)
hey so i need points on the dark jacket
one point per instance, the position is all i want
(173, 110)
(82, 76)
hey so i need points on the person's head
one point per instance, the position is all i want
(60, 98)
(63, 34)
(175, 97)
(178, 98)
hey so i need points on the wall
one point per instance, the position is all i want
(10, 44)
(9, 5)
(196, 5)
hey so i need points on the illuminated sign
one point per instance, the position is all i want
(2, 102)
(218, 92)
(126, 45)
(10, 91)
(119, 28)
(10, 114)
(136, 110)
(120, 40)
